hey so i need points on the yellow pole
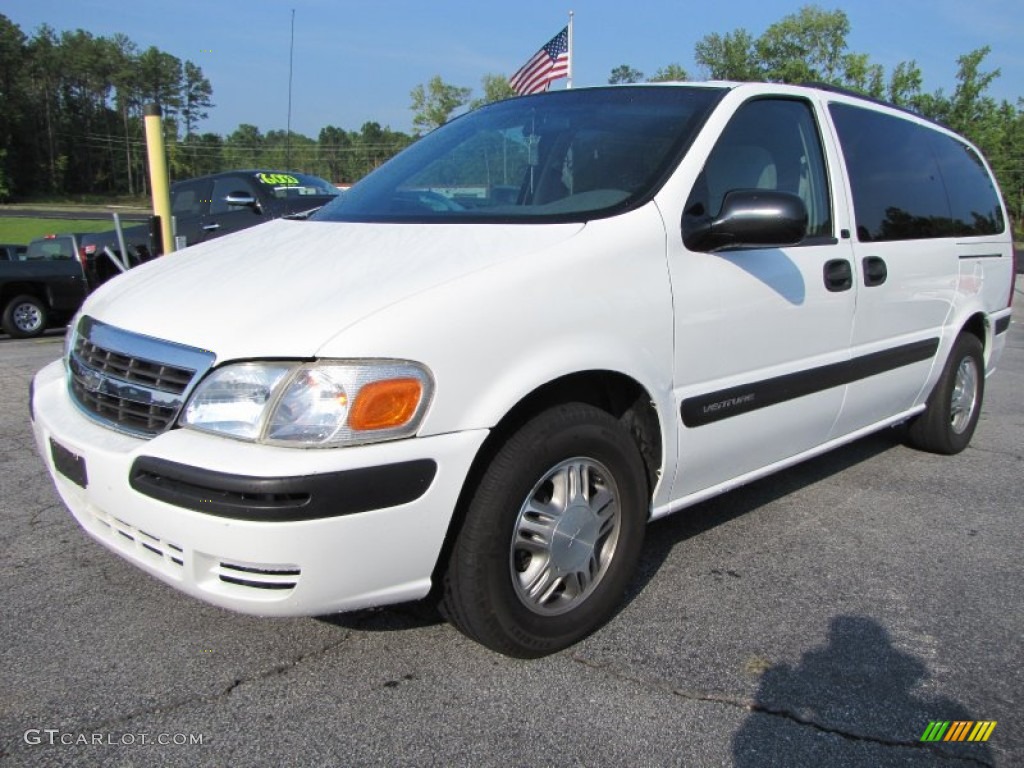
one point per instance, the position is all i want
(158, 180)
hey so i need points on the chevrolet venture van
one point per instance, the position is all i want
(479, 374)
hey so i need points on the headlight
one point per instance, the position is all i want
(232, 400)
(326, 403)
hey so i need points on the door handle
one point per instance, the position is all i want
(211, 227)
(875, 271)
(838, 275)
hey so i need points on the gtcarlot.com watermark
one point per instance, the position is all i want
(53, 737)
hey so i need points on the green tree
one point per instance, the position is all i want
(729, 57)
(671, 73)
(45, 66)
(496, 88)
(243, 147)
(434, 103)
(14, 101)
(159, 80)
(625, 74)
(196, 93)
(806, 46)
(905, 84)
(196, 96)
(969, 106)
(861, 75)
(336, 154)
(127, 104)
(206, 151)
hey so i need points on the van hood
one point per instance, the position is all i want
(284, 288)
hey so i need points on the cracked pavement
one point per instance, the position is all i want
(823, 616)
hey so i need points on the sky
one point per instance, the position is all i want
(354, 62)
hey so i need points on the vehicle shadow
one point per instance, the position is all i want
(665, 534)
(662, 535)
(852, 700)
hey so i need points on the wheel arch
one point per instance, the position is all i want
(12, 290)
(976, 325)
(619, 395)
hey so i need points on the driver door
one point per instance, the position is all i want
(758, 330)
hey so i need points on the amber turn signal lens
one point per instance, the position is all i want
(385, 404)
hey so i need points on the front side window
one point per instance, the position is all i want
(769, 144)
(565, 156)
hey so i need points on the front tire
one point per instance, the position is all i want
(948, 423)
(552, 534)
(25, 317)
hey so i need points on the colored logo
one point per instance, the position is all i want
(958, 730)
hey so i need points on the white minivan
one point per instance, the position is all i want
(481, 372)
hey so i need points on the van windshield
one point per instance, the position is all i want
(564, 156)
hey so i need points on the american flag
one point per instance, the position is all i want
(549, 63)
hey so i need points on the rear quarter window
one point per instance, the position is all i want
(973, 198)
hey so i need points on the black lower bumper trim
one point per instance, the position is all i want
(282, 499)
(1002, 325)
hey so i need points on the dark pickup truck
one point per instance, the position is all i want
(45, 285)
(216, 205)
(211, 206)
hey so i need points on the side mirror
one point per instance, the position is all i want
(241, 200)
(749, 217)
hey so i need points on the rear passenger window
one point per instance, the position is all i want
(768, 144)
(910, 181)
(973, 199)
(897, 187)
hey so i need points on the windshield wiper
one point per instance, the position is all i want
(302, 214)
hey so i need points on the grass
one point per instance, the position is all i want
(20, 230)
(98, 202)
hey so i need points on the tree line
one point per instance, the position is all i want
(71, 109)
(71, 121)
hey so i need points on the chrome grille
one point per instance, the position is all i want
(118, 410)
(164, 377)
(132, 383)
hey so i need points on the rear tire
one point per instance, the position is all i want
(551, 536)
(954, 406)
(25, 317)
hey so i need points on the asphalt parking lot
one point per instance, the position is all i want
(824, 616)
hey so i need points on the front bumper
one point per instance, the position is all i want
(260, 547)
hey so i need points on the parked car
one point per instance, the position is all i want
(693, 286)
(42, 288)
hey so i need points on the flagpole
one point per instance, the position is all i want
(568, 83)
